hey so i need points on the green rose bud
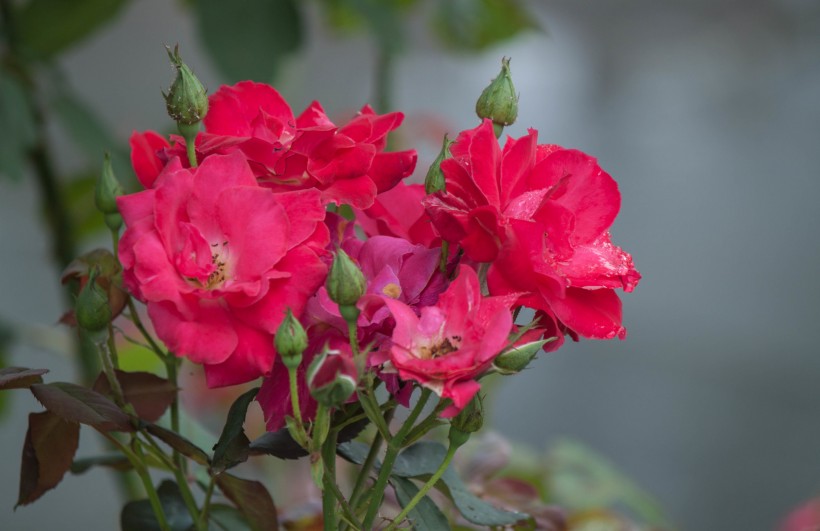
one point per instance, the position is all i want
(469, 420)
(345, 285)
(187, 101)
(290, 341)
(434, 181)
(107, 189)
(92, 310)
(516, 359)
(499, 101)
(332, 378)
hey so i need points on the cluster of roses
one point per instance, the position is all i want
(220, 251)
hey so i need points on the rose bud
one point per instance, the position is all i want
(108, 277)
(434, 181)
(91, 309)
(469, 420)
(345, 285)
(332, 378)
(290, 341)
(498, 102)
(516, 359)
(187, 101)
(105, 195)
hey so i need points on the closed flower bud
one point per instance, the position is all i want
(434, 181)
(107, 276)
(92, 310)
(345, 283)
(107, 189)
(517, 358)
(499, 101)
(187, 101)
(290, 340)
(469, 420)
(332, 378)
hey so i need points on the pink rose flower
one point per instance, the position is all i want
(217, 259)
(451, 343)
(399, 212)
(541, 215)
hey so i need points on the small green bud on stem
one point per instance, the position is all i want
(498, 101)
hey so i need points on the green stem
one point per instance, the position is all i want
(171, 366)
(190, 148)
(384, 79)
(429, 422)
(108, 368)
(393, 447)
(353, 335)
(451, 451)
(135, 318)
(329, 478)
(445, 254)
(202, 522)
(370, 460)
(182, 481)
(137, 462)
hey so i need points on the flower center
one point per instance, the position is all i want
(440, 349)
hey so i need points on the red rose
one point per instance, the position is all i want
(218, 259)
(540, 214)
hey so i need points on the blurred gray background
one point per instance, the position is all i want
(707, 113)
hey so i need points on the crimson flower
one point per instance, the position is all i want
(451, 343)
(541, 215)
(217, 259)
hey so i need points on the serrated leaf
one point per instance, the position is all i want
(46, 27)
(47, 454)
(139, 515)
(580, 479)
(232, 446)
(425, 516)
(179, 443)
(423, 459)
(148, 393)
(114, 461)
(252, 499)
(229, 30)
(20, 377)
(16, 116)
(226, 518)
(474, 25)
(83, 405)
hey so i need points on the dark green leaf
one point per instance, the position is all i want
(179, 443)
(20, 378)
(46, 27)
(473, 25)
(230, 30)
(423, 517)
(115, 461)
(232, 446)
(252, 498)
(47, 454)
(148, 393)
(353, 451)
(580, 479)
(139, 516)
(226, 518)
(423, 459)
(16, 116)
(80, 404)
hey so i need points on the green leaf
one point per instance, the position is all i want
(252, 499)
(423, 459)
(580, 480)
(47, 454)
(46, 27)
(231, 30)
(423, 517)
(80, 404)
(226, 518)
(16, 116)
(148, 393)
(232, 446)
(139, 516)
(474, 25)
(179, 443)
(20, 378)
(113, 461)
